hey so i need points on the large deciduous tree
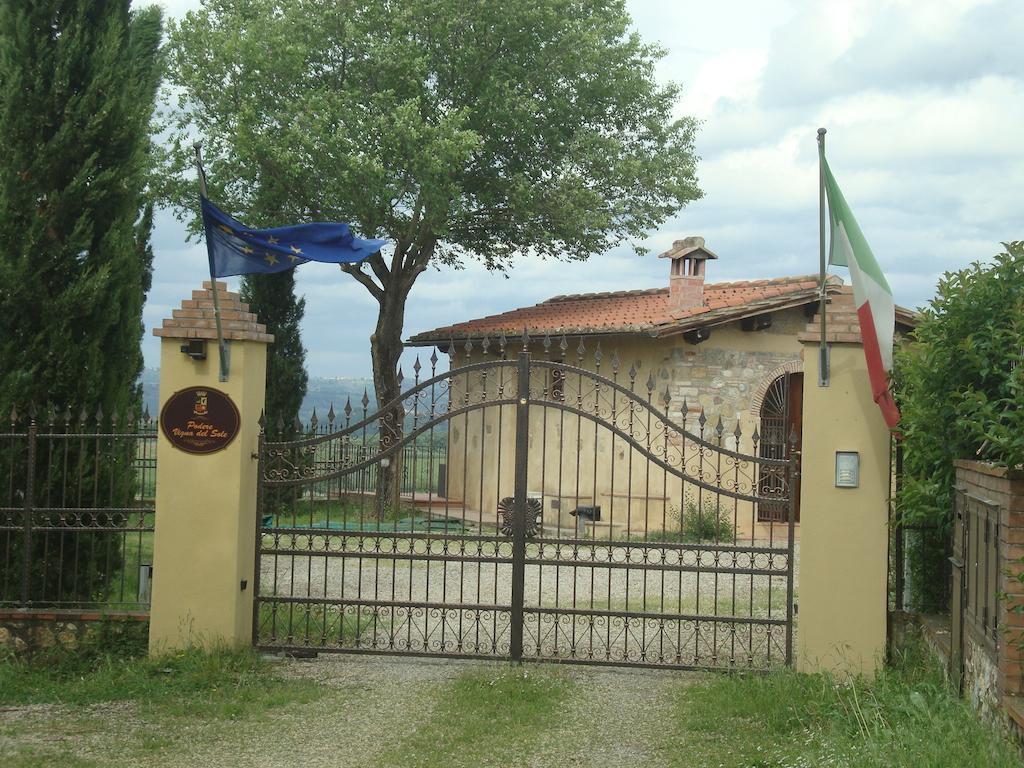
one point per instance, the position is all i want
(456, 129)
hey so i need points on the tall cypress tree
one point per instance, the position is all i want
(272, 298)
(78, 82)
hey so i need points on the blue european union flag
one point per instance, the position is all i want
(236, 249)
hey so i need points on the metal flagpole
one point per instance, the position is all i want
(823, 350)
(221, 346)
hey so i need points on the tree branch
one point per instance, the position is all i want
(380, 269)
(355, 270)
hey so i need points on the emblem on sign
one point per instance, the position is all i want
(199, 420)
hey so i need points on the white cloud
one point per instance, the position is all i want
(924, 102)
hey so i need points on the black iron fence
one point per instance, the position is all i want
(76, 510)
(422, 463)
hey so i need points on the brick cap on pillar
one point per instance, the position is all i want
(195, 319)
(842, 323)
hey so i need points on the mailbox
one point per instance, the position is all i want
(589, 513)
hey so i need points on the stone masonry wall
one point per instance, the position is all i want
(28, 633)
(728, 383)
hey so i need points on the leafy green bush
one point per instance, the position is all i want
(705, 522)
(959, 386)
(960, 383)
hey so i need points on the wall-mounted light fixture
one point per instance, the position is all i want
(195, 348)
(847, 469)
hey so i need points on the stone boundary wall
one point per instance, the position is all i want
(28, 632)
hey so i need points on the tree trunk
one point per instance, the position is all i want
(386, 349)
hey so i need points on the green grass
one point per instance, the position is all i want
(210, 704)
(112, 666)
(485, 717)
(907, 716)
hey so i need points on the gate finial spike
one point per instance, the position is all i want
(485, 345)
(32, 410)
(313, 421)
(83, 415)
(738, 432)
(67, 414)
(366, 399)
(416, 367)
(14, 415)
(597, 355)
(297, 424)
(563, 344)
(650, 383)
(51, 415)
(331, 415)
(720, 427)
(581, 351)
(400, 377)
(756, 438)
(702, 419)
(667, 397)
(99, 413)
(526, 339)
(433, 359)
(546, 343)
(280, 423)
(615, 361)
(469, 346)
(348, 408)
(686, 410)
(632, 373)
(794, 438)
(502, 343)
(262, 420)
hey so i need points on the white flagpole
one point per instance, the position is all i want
(221, 346)
(823, 350)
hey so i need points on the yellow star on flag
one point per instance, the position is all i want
(270, 259)
(247, 250)
(293, 257)
(226, 229)
(295, 250)
(272, 240)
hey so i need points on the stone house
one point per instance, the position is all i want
(730, 354)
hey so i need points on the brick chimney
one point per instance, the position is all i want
(686, 276)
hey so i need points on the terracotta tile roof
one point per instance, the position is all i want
(646, 312)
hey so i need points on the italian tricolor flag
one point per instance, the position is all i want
(875, 307)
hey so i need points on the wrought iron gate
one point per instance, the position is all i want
(549, 507)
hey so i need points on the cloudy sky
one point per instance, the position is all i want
(924, 105)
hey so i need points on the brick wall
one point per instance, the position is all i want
(991, 497)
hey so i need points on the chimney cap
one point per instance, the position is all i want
(689, 247)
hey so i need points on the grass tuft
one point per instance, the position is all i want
(906, 716)
(112, 665)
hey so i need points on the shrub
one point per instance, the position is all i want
(959, 386)
(704, 522)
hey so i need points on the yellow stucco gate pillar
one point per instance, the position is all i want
(204, 541)
(842, 588)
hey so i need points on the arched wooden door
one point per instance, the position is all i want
(781, 420)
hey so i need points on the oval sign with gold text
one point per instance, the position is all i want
(200, 420)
